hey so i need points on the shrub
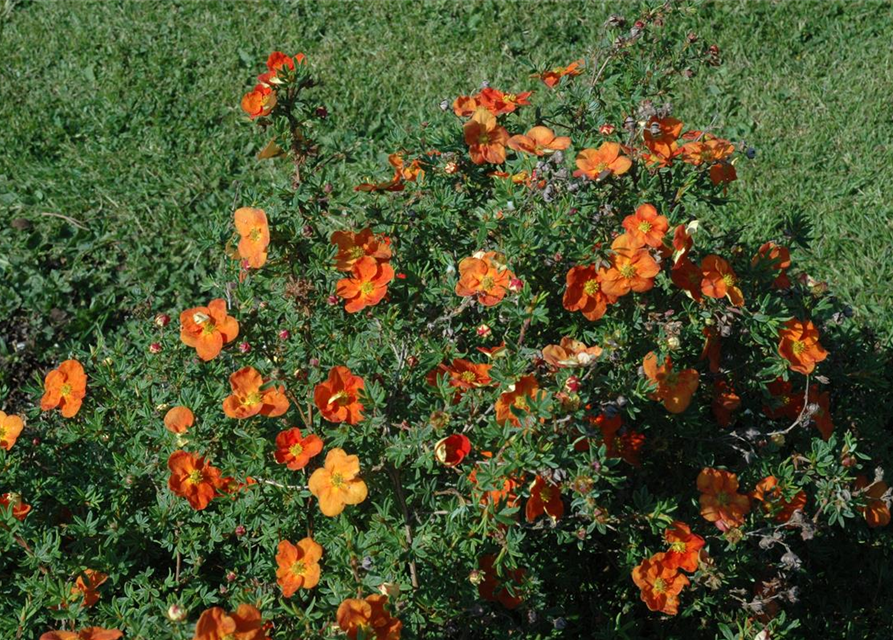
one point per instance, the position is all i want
(517, 387)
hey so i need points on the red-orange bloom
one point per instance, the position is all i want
(336, 483)
(14, 502)
(499, 103)
(251, 224)
(87, 633)
(774, 257)
(539, 141)
(450, 451)
(367, 286)
(786, 404)
(601, 163)
(354, 246)
(661, 138)
(584, 292)
(646, 227)
(506, 493)
(368, 619)
(338, 399)
(685, 547)
(10, 429)
(245, 623)
(769, 493)
(515, 400)
(259, 102)
(660, 584)
(277, 60)
(799, 345)
(465, 106)
(485, 276)
(719, 280)
(553, 76)
(297, 565)
(485, 138)
(294, 450)
(632, 268)
(505, 590)
(720, 501)
(687, 275)
(545, 498)
(674, 388)
(570, 353)
(248, 399)
(193, 478)
(179, 419)
(722, 173)
(821, 417)
(87, 585)
(725, 402)
(462, 374)
(207, 329)
(876, 510)
(625, 446)
(65, 388)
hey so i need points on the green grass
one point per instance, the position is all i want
(124, 118)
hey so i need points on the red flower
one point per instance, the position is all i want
(499, 103)
(450, 451)
(506, 591)
(545, 498)
(685, 547)
(295, 451)
(338, 399)
(14, 502)
(660, 584)
(585, 293)
(769, 493)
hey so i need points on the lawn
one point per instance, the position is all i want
(125, 149)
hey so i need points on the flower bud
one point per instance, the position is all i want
(572, 384)
(285, 334)
(516, 284)
(673, 342)
(606, 129)
(239, 530)
(231, 576)
(322, 112)
(162, 320)
(439, 419)
(484, 330)
(332, 300)
(476, 577)
(155, 347)
(176, 613)
(450, 168)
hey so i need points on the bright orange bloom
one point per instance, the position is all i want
(507, 493)
(674, 388)
(10, 428)
(646, 227)
(259, 102)
(452, 450)
(720, 501)
(411, 172)
(298, 565)
(65, 388)
(685, 547)
(14, 502)
(248, 399)
(207, 329)
(245, 623)
(787, 404)
(485, 276)
(625, 446)
(338, 399)
(876, 511)
(719, 280)
(87, 633)
(799, 345)
(601, 163)
(769, 493)
(686, 275)
(553, 76)
(661, 135)
(336, 484)
(725, 402)
(539, 141)
(774, 257)
(368, 617)
(295, 451)
(485, 138)
(192, 477)
(632, 268)
(683, 241)
(570, 353)
(515, 400)
(710, 149)
(463, 375)
(499, 103)
(506, 590)
(353, 246)
(465, 106)
(545, 498)
(367, 286)
(584, 292)
(251, 224)
(179, 419)
(660, 584)
(277, 60)
(88, 588)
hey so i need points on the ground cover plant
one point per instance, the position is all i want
(517, 378)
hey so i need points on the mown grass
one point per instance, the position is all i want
(123, 118)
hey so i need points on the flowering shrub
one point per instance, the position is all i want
(519, 387)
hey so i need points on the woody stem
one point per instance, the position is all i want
(407, 529)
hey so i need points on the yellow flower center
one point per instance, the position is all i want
(252, 399)
(628, 271)
(521, 403)
(545, 494)
(296, 450)
(195, 477)
(591, 287)
(356, 252)
(487, 283)
(2, 432)
(367, 288)
(798, 347)
(660, 585)
(341, 398)
(299, 568)
(65, 389)
(483, 137)
(722, 498)
(644, 227)
(678, 546)
(601, 166)
(729, 279)
(208, 328)
(254, 234)
(509, 97)
(468, 376)
(337, 480)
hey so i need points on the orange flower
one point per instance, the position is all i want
(632, 268)
(193, 478)
(465, 106)
(207, 329)
(822, 415)
(719, 280)
(710, 149)
(251, 224)
(725, 402)
(248, 399)
(720, 501)
(368, 619)
(660, 584)
(584, 292)
(601, 163)
(463, 375)
(10, 428)
(515, 400)
(338, 399)
(245, 623)
(336, 484)
(65, 388)
(259, 102)
(553, 76)
(298, 566)
(646, 227)
(685, 547)
(506, 494)
(769, 493)
(674, 389)
(367, 286)
(570, 353)
(773, 257)
(876, 510)
(485, 138)
(506, 591)
(787, 404)
(295, 451)
(277, 60)
(683, 241)
(450, 451)
(484, 276)
(625, 446)
(14, 502)
(353, 246)
(539, 141)
(799, 345)
(88, 588)
(686, 275)
(661, 135)
(87, 633)
(712, 351)
(545, 498)
(499, 103)
(179, 419)
(723, 172)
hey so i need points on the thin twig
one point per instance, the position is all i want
(67, 219)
